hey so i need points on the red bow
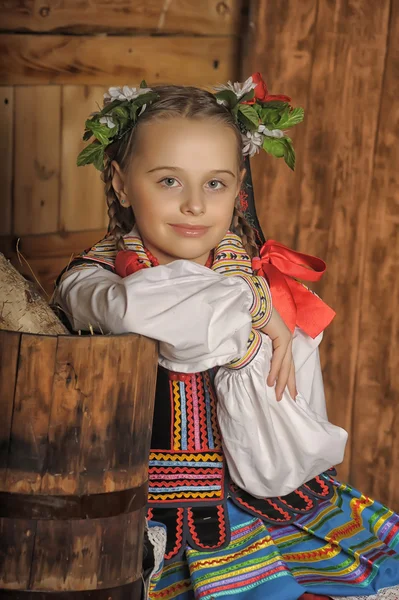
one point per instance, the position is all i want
(297, 305)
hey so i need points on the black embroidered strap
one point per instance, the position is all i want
(82, 260)
(208, 527)
(174, 520)
(285, 509)
(93, 506)
(247, 203)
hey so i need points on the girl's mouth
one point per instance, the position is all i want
(189, 230)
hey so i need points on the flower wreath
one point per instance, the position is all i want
(261, 117)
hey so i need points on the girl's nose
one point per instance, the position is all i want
(193, 204)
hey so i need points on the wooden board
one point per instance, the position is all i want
(6, 157)
(119, 60)
(160, 16)
(50, 245)
(69, 396)
(37, 159)
(336, 179)
(9, 347)
(83, 203)
(17, 541)
(31, 415)
(43, 257)
(285, 61)
(375, 441)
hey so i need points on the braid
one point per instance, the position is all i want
(120, 219)
(242, 228)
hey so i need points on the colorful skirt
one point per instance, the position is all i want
(349, 547)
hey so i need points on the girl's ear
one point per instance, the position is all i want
(118, 183)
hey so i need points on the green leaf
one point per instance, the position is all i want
(87, 135)
(234, 111)
(280, 104)
(290, 117)
(250, 114)
(108, 107)
(101, 131)
(246, 123)
(133, 112)
(143, 84)
(227, 96)
(147, 98)
(274, 146)
(92, 154)
(280, 148)
(270, 117)
(120, 112)
(249, 96)
(289, 155)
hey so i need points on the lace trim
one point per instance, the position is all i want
(391, 593)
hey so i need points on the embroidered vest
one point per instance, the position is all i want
(189, 483)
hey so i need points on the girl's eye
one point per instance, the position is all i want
(215, 184)
(169, 182)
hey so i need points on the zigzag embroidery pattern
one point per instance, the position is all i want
(215, 427)
(181, 471)
(177, 415)
(190, 457)
(202, 411)
(186, 495)
(179, 534)
(221, 523)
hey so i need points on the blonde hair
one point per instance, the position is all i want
(189, 102)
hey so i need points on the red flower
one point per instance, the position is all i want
(262, 93)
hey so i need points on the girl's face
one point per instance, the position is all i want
(181, 184)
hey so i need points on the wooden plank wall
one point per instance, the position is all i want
(340, 61)
(56, 61)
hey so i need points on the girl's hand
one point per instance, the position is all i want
(282, 370)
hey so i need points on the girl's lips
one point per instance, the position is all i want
(189, 230)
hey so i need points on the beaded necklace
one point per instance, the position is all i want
(155, 262)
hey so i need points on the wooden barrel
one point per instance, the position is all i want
(75, 431)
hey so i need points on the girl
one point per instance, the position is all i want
(172, 166)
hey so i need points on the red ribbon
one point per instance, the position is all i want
(297, 305)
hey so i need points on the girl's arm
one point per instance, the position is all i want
(201, 318)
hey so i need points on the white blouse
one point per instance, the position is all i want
(201, 319)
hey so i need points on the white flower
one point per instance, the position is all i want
(275, 133)
(252, 142)
(125, 93)
(240, 89)
(108, 121)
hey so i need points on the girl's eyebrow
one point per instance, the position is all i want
(163, 168)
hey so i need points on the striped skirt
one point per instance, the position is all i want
(349, 547)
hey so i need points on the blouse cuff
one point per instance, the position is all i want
(253, 346)
(261, 308)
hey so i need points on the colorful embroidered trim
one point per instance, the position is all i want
(261, 308)
(253, 347)
(185, 476)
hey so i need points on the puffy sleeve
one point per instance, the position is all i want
(201, 318)
(274, 447)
